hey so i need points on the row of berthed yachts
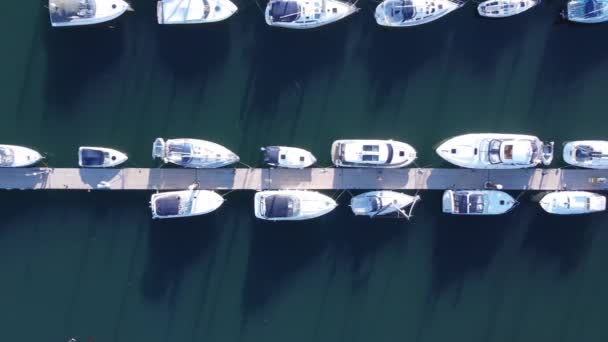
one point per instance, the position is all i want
(475, 151)
(307, 14)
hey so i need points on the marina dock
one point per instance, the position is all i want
(314, 179)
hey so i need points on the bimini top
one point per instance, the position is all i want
(285, 11)
(169, 205)
(85, 12)
(91, 157)
(587, 11)
(194, 11)
(504, 8)
(281, 206)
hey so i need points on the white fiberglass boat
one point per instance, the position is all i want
(193, 11)
(372, 153)
(100, 157)
(85, 12)
(378, 203)
(573, 202)
(403, 13)
(504, 8)
(586, 11)
(288, 157)
(306, 14)
(591, 154)
(193, 153)
(184, 203)
(291, 205)
(496, 151)
(477, 202)
(18, 156)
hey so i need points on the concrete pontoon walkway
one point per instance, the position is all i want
(316, 178)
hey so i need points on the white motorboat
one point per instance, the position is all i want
(372, 153)
(85, 12)
(291, 205)
(193, 11)
(18, 156)
(477, 202)
(89, 156)
(288, 157)
(573, 202)
(586, 11)
(193, 153)
(504, 8)
(496, 151)
(404, 13)
(591, 154)
(184, 203)
(380, 203)
(306, 14)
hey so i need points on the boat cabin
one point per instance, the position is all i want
(355, 153)
(279, 206)
(511, 152)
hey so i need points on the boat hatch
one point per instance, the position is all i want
(158, 149)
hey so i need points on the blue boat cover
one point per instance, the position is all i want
(271, 155)
(91, 157)
(167, 205)
(279, 206)
(285, 11)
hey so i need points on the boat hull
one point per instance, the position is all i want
(106, 10)
(570, 154)
(113, 159)
(573, 203)
(22, 156)
(203, 202)
(339, 10)
(493, 202)
(390, 202)
(288, 157)
(403, 154)
(312, 204)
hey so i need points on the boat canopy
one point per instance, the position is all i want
(281, 206)
(7, 156)
(285, 11)
(66, 10)
(168, 205)
(399, 10)
(271, 155)
(91, 157)
(465, 203)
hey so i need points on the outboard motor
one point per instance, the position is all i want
(547, 153)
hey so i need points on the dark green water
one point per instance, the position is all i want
(95, 267)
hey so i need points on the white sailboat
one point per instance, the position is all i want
(291, 205)
(372, 153)
(288, 157)
(306, 14)
(85, 12)
(573, 202)
(404, 13)
(194, 11)
(193, 153)
(504, 8)
(184, 203)
(586, 11)
(477, 202)
(382, 203)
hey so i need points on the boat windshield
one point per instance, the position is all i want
(465, 203)
(389, 156)
(7, 156)
(276, 206)
(399, 10)
(271, 155)
(66, 10)
(285, 11)
(494, 151)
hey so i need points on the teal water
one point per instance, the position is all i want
(95, 267)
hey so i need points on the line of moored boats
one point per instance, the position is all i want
(308, 14)
(476, 151)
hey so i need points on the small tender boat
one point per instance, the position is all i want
(100, 157)
(193, 153)
(306, 14)
(477, 202)
(586, 11)
(573, 202)
(496, 151)
(504, 8)
(85, 12)
(403, 13)
(288, 157)
(18, 156)
(372, 153)
(591, 154)
(184, 203)
(193, 11)
(291, 205)
(378, 203)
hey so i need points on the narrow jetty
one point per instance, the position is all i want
(314, 179)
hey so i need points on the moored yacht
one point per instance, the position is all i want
(288, 157)
(18, 156)
(306, 14)
(193, 11)
(586, 11)
(193, 153)
(184, 203)
(384, 202)
(89, 156)
(573, 202)
(372, 153)
(591, 154)
(477, 202)
(504, 8)
(496, 151)
(291, 205)
(85, 12)
(403, 13)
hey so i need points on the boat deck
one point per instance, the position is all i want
(314, 178)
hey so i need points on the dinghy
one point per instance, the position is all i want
(100, 157)
(18, 156)
(184, 203)
(372, 153)
(586, 11)
(382, 203)
(288, 157)
(592, 154)
(85, 12)
(477, 202)
(306, 14)
(193, 11)
(504, 8)
(496, 151)
(573, 202)
(404, 13)
(193, 153)
(291, 205)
